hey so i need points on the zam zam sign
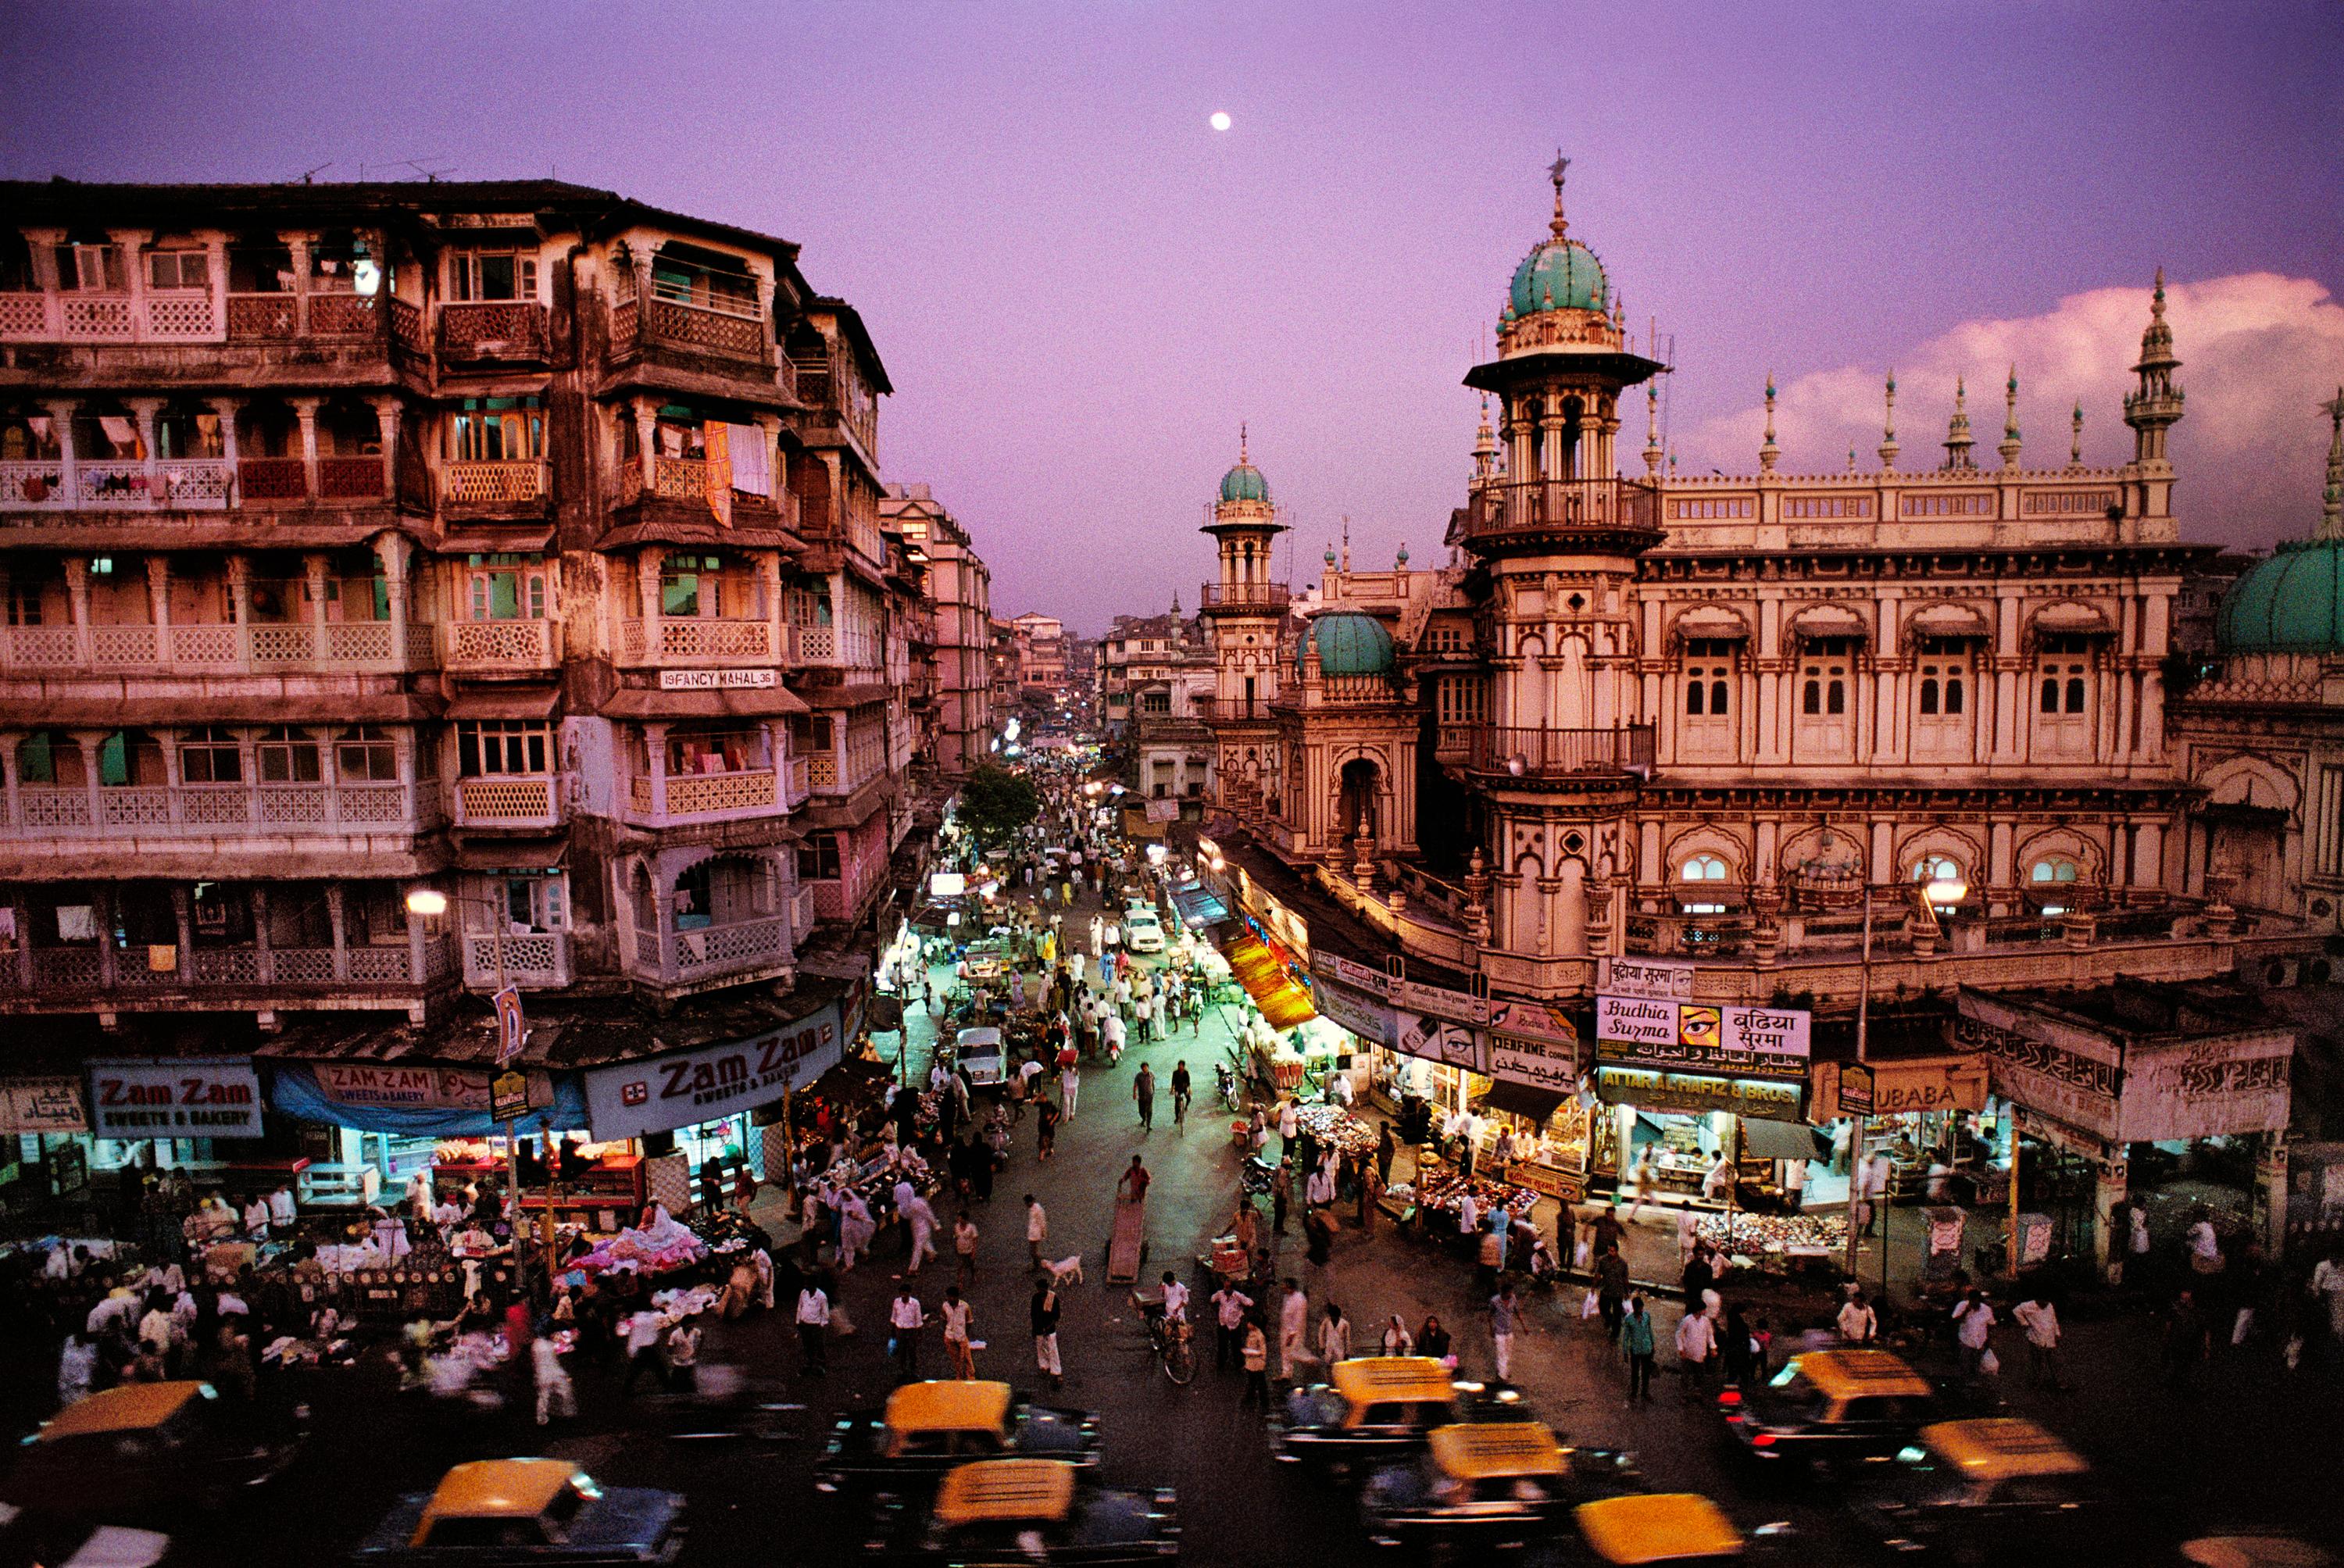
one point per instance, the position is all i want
(659, 1094)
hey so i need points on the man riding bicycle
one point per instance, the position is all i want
(1180, 1093)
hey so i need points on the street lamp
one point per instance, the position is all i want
(1939, 891)
(431, 904)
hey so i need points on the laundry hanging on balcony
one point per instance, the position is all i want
(717, 469)
(750, 473)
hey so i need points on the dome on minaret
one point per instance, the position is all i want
(1559, 275)
(1244, 482)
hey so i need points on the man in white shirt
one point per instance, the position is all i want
(1973, 1323)
(1114, 1033)
(2040, 1319)
(1229, 1305)
(1716, 1185)
(813, 1319)
(1293, 1322)
(1857, 1322)
(1176, 1298)
(1038, 1229)
(906, 1318)
(1469, 1214)
(1319, 1190)
(1794, 1184)
(1696, 1347)
(644, 1329)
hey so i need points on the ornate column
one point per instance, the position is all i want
(656, 753)
(77, 593)
(145, 411)
(313, 575)
(647, 428)
(263, 955)
(183, 914)
(158, 604)
(306, 410)
(89, 741)
(2007, 666)
(225, 409)
(61, 414)
(385, 413)
(391, 549)
(337, 919)
(132, 243)
(298, 246)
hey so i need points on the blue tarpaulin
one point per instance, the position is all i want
(1197, 905)
(293, 1091)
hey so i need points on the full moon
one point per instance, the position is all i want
(1220, 121)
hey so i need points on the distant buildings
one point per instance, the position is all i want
(960, 593)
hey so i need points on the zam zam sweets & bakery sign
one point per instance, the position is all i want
(659, 1094)
(187, 1097)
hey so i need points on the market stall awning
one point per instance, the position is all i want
(1198, 906)
(1784, 1140)
(1283, 1002)
(1534, 1105)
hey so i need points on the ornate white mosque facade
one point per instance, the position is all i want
(1904, 727)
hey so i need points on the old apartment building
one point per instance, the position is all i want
(410, 585)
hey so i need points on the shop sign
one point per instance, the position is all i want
(1541, 1021)
(1900, 1089)
(370, 1084)
(191, 1097)
(659, 1094)
(712, 680)
(1439, 1040)
(508, 1095)
(42, 1104)
(1661, 981)
(1439, 1002)
(1562, 1186)
(1654, 1033)
(1526, 1062)
(2205, 1089)
(1648, 1089)
(1374, 981)
(1167, 809)
(1364, 1016)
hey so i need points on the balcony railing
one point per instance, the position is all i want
(1550, 506)
(533, 960)
(1220, 595)
(704, 953)
(498, 645)
(116, 484)
(208, 811)
(507, 802)
(274, 479)
(696, 640)
(350, 478)
(513, 482)
(1549, 754)
(129, 977)
(251, 648)
(735, 334)
(483, 329)
(796, 782)
(703, 796)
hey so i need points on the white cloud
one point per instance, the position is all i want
(2260, 351)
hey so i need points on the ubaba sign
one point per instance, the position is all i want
(659, 1094)
(189, 1096)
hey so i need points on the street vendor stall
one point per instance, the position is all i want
(1777, 1243)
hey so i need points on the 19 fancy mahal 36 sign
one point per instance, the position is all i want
(659, 1094)
(1647, 1031)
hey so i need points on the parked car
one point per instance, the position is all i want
(927, 1428)
(1972, 1490)
(1486, 1487)
(1143, 932)
(1682, 1529)
(1020, 1512)
(1830, 1408)
(522, 1510)
(150, 1452)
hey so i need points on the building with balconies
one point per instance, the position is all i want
(959, 596)
(419, 588)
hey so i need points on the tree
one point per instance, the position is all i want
(996, 802)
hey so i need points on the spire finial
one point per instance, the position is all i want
(2155, 300)
(1241, 442)
(1769, 454)
(2331, 499)
(1652, 427)
(2009, 447)
(1888, 429)
(1958, 428)
(2075, 437)
(1555, 171)
(1851, 460)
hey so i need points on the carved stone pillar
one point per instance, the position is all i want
(306, 410)
(386, 413)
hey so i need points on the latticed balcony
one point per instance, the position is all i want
(712, 951)
(533, 960)
(141, 979)
(117, 813)
(498, 646)
(482, 330)
(518, 482)
(184, 316)
(696, 640)
(685, 798)
(507, 802)
(1226, 595)
(252, 648)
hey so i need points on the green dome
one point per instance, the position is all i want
(1559, 275)
(2291, 604)
(1349, 643)
(1244, 482)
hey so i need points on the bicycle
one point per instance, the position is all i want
(1173, 1344)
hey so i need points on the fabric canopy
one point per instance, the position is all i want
(1762, 1139)
(1197, 905)
(1534, 1105)
(1265, 979)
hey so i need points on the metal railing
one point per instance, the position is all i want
(1219, 595)
(1524, 753)
(1546, 506)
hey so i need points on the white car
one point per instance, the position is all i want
(1142, 932)
(981, 1057)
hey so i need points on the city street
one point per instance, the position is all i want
(2248, 1448)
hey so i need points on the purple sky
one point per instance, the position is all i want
(1080, 289)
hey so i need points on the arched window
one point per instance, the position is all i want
(2075, 694)
(1836, 698)
(2050, 695)
(1703, 869)
(1929, 694)
(2057, 868)
(1936, 869)
(1811, 700)
(1717, 696)
(1692, 697)
(1952, 693)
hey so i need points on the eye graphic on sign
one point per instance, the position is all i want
(1699, 1027)
(637, 1093)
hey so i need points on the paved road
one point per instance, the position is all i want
(2251, 1448)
